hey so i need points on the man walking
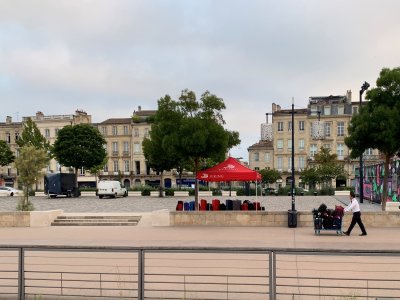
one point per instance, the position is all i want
(355, 208)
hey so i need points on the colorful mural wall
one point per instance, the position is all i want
(373, 182)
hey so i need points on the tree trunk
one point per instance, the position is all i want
(160, 194)
(385, 182)
(196, 185)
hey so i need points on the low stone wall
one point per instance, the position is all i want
(15, 219)
(272, 219)
(28, 219)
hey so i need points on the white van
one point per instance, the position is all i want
(111, 188)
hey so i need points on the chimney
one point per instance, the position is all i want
(139, 108)
(348, 96)
(278, 107)
(8, 120)
(39, 115)
(273, 107)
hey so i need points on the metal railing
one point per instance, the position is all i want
(48, 272)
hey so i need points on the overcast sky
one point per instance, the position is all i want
(109, 57)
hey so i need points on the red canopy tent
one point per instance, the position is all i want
(229, 170)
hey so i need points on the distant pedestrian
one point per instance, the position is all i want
(355, 208)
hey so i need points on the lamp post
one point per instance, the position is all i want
(364, 87)
(292, 214)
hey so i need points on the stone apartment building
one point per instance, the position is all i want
(48, 126)
(10, 132)
(126, 161)
(323, 123)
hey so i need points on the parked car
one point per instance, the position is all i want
(111, 188)
(9, 191)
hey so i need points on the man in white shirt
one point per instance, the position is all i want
(355, 208)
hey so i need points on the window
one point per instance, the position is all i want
(115, 148)
(8, 138)
(290, 126)
(301, 162)
(267, 157)
(289, 163)
(126, 147)
(16, 136)
(56, 131)
(301, 125)
(327, 146)
(313, 149)
(279, 163)
(104, 130)
(327, 110)
(341, 110)
(105, 168)
(355, 110)
(126, 165)
(136, 132)
(301, 144)
(327, 128)
(105, 146)
(126, 130)
(369, 151)
(289, 144)
(340, 128)
(146, 132)
(114, 130)
(280, 126)
(47, 133)
(136, 148)
(279, 144)
(256, 156)
(334, 110)
(116, 169)
(82, 171)
(340, 151)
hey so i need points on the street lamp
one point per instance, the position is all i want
(292, 214)
(364, 87)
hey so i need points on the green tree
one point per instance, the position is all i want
(377, 125)
(201, 133)
(6, 155)
(159, 149)
(310, 177)
(79, 146)
(30, 163)
(269, 176)
(188, 130)
(328, 167)
(31, 136)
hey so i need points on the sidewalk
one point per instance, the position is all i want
(137, 236)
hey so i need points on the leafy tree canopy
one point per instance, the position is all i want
(30, 163)
(377, 125)
(327, 166)
(269, 175)
(6, 155)
(80, 146)
(188, 130)
(31, 136)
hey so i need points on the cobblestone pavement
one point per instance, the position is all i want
(149, 204)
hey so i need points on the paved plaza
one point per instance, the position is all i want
(149, 204)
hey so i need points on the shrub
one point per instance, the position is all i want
(169, 192)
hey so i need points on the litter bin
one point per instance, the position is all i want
(292, 218)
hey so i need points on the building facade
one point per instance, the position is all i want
(323, 123)
(10, 132)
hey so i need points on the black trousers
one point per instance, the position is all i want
(356, 219)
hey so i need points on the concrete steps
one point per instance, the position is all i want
(96, 220)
